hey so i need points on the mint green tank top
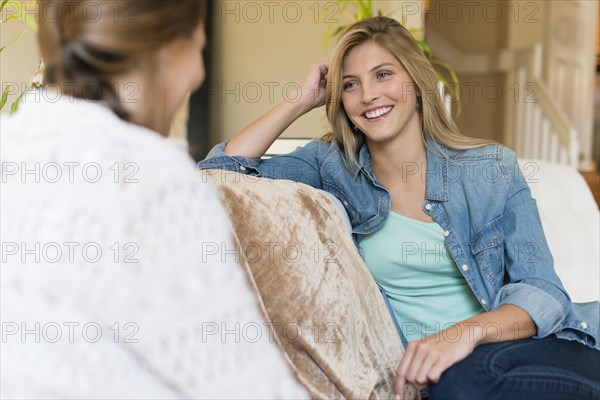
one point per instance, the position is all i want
(427, 291)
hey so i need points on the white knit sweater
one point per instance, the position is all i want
(118, 275)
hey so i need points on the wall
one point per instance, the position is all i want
(19, 60)
(475, 27)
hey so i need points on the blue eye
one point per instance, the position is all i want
(349, 85)
(383, 74)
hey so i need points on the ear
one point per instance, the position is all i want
(417, 90)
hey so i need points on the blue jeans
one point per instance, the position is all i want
(549, 368)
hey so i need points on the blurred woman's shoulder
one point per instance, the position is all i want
(88, 134)
(80, 150)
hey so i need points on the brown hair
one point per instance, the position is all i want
(436, 123)
(85, 43)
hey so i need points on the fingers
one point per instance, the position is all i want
(322, 69)
(419, 355)
(403, 368)
(319, 68)
(400, 382)
(417, 366)
(425, 361)
(436, 371)
(422, 376)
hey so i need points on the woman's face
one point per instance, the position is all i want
(183, 69)
(378, 95)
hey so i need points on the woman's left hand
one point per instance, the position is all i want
(425, 360)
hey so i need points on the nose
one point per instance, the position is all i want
(369, 94)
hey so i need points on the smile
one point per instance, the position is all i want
(378, 112)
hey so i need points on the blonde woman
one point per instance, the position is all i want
(107, 286)
(445, 223)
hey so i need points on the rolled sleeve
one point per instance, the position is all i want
(217, 159)
(544, 309)
(301, 165)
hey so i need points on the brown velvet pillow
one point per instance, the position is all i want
(327, 313)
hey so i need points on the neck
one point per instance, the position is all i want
(143, 109)
(395, 159)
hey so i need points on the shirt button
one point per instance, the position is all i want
(483, 302)
(428, 207)
(242, 168)
(345, 203)
(583, 325)
(446, 233)
(465, 267)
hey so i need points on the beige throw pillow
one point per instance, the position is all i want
(326, 312)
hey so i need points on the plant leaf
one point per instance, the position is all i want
(365, 10)
(23, 16)
(15, 104)
(5, 20)
(425, 47)
(338, 30)
(3, 4)
(12, 41)
(4, 96)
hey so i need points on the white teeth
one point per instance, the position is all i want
(378, 113)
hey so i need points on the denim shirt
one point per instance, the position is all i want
(479, 197)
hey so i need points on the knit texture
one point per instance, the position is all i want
(119, 276)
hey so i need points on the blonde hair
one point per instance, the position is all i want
(86, 43)
(436, 123)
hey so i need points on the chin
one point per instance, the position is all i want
(380, 137)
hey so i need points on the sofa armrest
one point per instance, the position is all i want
(570, 218)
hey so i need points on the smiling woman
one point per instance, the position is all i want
(381, 100)
(441, 220)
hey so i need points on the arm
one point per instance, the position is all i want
(424, 361)
(254, 140)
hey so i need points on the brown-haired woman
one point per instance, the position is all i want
(118, 278)
(445, 223)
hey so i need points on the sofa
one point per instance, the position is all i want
(327, 313)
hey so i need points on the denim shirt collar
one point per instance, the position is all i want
(437, 169)
(364, 161)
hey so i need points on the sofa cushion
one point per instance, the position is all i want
(571, 222)
(325, 310)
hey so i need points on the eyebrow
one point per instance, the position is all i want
(372, 69)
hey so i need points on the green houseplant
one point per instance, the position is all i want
(19, 14)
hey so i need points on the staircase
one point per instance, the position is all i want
(540, 128)
(541, 131)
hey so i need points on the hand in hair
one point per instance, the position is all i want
(313, 88)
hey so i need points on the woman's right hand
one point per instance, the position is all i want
(314, 87)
